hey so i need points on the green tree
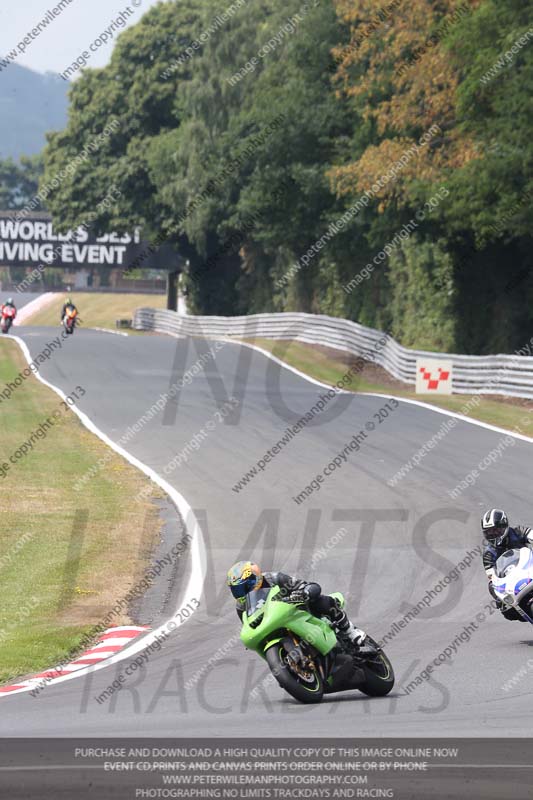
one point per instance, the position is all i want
(280, 125)
(132, 92)
(19, 182)
(422, 297)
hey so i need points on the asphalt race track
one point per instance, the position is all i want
(413, 536)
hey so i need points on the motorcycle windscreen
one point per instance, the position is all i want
(508, 559)
(256, 600)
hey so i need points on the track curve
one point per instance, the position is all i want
(398, 543)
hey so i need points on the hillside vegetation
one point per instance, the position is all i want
(31, 104)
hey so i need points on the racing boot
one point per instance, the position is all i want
(346, 630)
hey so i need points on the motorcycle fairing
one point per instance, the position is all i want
(273, 616)
(518, 574)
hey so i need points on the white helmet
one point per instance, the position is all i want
(495, 525)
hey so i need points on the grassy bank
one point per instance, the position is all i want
(328, 365)
(98, 310)
(65, 556)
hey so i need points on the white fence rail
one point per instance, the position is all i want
(501, 374)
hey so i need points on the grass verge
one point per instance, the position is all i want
(98, 310)
(329, 365)
(65, 556)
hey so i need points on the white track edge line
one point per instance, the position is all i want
(420, 403)
(33, 307)
(108, 330)
(195, 583)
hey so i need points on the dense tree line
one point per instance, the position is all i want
(341, 157)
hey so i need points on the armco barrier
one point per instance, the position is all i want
(501, 374)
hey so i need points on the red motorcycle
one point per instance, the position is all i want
(8, 315)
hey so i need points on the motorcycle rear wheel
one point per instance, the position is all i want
(308, 689)
(379, 674)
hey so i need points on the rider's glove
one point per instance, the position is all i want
(297, 597)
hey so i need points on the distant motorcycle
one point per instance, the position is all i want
(7, 319)
(69, 320)
(513, 582)
(304, 654)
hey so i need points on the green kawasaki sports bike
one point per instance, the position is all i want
(304, 654)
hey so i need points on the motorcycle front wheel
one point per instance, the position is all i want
(304, 684)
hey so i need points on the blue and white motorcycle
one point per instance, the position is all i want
(513, 583)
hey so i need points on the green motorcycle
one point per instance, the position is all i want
(304, 654)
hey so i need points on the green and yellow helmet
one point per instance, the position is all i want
(244, 577)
